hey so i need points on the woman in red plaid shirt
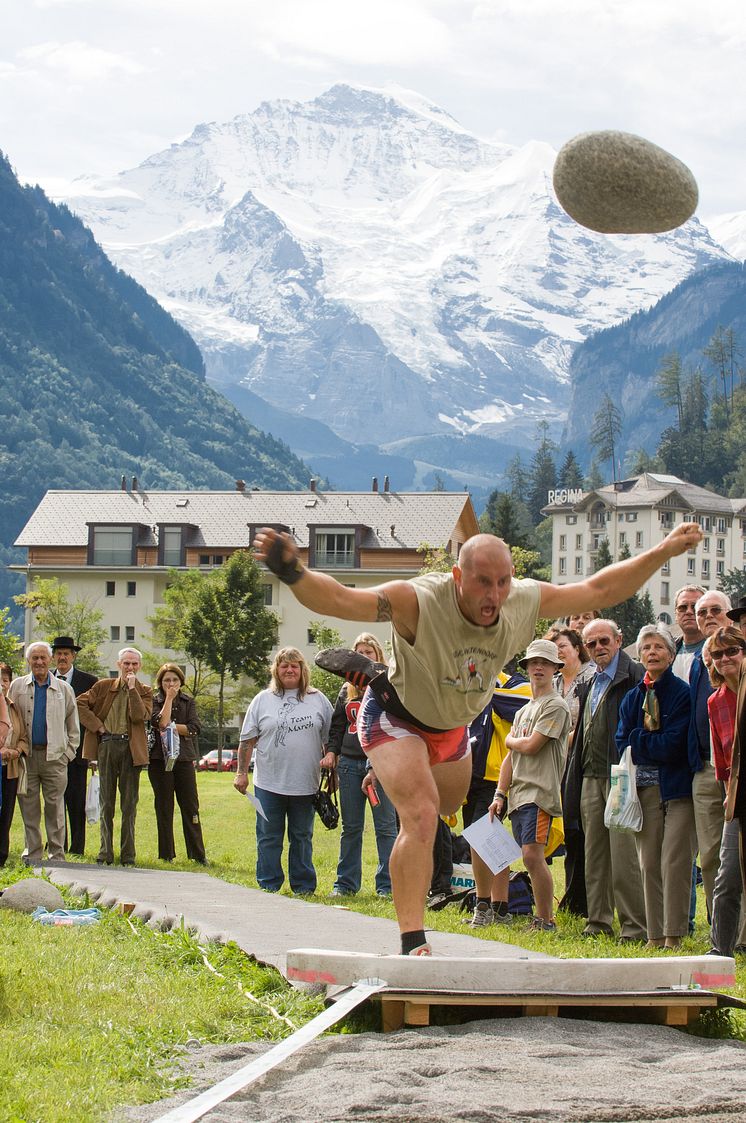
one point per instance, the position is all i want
(723, 655)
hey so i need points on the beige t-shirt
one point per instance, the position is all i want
(537, 778)
(447, 676)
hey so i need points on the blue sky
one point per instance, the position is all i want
(95, 86)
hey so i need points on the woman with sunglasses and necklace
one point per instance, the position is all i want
(723, 655)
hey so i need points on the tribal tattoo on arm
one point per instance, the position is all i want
(383, 610)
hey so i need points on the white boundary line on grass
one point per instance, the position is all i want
(242, 1077)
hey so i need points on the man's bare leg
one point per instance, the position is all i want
(419, 794)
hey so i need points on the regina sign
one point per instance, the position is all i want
(565, 495)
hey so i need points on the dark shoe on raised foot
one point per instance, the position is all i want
(350, 665)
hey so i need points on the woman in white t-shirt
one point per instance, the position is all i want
(286, 728)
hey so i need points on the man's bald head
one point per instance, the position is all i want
(484, 547)
(483, 578)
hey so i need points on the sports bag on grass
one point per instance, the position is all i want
(623, 809)
(325, 801)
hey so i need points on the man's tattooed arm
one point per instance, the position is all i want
(383, 607)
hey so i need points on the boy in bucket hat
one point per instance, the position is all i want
(532, 773)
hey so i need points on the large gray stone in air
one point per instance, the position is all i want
(619, 183)
(32, 891)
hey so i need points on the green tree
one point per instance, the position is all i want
(639, 460)
(603, 555)
(11, 645)
(543, 474)
(56, 615)
(435, 559)
(167, 624)
(324, 635)
(734, 584)
(506, 518)
(723, 353)
(518, 476)
(669, 380)
(528, 564)
(570, 474)
(633, 613)
(227, 626)
(606, 429)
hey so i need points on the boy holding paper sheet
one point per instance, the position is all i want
(532, 773)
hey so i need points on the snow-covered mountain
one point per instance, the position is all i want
(729, 230)
(364, 261)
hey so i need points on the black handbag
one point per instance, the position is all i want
(325, 800)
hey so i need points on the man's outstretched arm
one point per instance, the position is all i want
(617, 582)
(395, 600)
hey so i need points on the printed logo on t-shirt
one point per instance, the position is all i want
(351, 712)
(289, 722)
(472, 669)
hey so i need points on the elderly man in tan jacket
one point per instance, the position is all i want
(47, 705)
(114, 712)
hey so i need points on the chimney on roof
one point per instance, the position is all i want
(386, 484)
(374, 484)
(393, 528)
(312, 485)
(134, 483)
(240, 485)
(123, 484)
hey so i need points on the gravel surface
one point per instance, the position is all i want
(491, 1070)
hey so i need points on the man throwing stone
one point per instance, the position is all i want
(451, 635)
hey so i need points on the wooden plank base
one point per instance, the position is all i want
(671, 1008)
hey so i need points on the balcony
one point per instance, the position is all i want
(335, 559)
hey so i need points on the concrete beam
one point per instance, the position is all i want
(510, 976)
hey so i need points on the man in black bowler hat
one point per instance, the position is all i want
(738, 614)
(64, 651)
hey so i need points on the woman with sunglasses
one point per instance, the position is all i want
(723, 654)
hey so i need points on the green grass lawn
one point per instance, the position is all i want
(98, 1014)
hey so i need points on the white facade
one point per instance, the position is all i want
(638, 513)
(115, 550)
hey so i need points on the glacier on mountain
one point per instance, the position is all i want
(364, 261)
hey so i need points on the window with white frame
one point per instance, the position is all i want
(720, 568)
(578, 566)
(638, 539)
(578, 541)
(690, 563)
(705, 569)
(335, 548)
(112, 545)
(563, 567)
(563, 541)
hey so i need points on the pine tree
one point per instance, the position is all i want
(503, 517)
(570, 474)
(606, 428)
(669, 380)
(543, 474)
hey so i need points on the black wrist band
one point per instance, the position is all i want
(288, 571)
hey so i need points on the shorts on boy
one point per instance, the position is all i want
(530, 824)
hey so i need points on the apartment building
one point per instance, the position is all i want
(638, 513)
(116, 548)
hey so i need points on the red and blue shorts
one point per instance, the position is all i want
(377, 727)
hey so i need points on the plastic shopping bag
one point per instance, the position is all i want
(623, 809)
(91, 799)
(171, 745)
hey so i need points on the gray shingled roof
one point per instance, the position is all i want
(222, 518)
(650, 489)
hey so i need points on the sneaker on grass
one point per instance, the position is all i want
(482, 916)
(538, 924)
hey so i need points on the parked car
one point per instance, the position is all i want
(209, 762)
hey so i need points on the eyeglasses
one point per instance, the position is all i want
(686, 606)
(725, 653)
(604, 641)
(710, 610)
